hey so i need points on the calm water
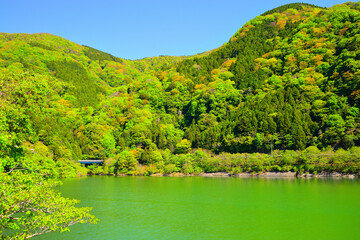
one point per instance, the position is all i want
(215, 208)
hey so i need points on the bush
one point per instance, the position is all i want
(171, 168)
(188, 168)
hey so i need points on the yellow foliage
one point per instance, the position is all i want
(291, 59)
(178, 78)
(129, 106)
(317, 59)
(303, 65)
(119, 71)
(115, 65)
(355, 94)
(335, 75)
(212, 84)
(250, 26)
(310, 81)
(64, 102)
(296, 17)
(318, 45)
(266, 55)
(270, 62)
(175, 91)
(343, 30)
(281, 23)
(71, 114)
(228, 63)
(318, 31)
(162, 75)
(199, 86)
(135, 153)
(315, 10)
(137, 84)
(259, 60)
(348, 76)
(123, 120)
(215, 71)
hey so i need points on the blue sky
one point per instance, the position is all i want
(134, 29)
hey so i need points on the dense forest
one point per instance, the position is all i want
(285, 87)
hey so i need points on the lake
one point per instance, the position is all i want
(215, 208)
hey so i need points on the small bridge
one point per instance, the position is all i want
(88, 162)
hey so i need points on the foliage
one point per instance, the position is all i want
(30, 207)
(297, 6)
(288, 79)
(97, 55)
(282, 94)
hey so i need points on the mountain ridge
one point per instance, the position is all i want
(288, 79)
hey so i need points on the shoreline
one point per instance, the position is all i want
(334, 175)
(273, 175)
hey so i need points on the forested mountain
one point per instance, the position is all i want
(288, 79)
(282, 94)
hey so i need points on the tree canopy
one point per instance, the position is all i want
(288, 80)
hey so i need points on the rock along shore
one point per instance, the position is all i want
(264, 175)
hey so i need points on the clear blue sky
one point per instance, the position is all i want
(134, 29)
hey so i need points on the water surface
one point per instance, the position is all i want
(215, 208)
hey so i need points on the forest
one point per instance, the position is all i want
(283, 94)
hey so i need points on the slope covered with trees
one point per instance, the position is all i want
(286, 79)
(286, 83)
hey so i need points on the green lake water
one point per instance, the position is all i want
(215, 208)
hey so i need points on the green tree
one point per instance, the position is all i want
(30, 207)
(183, 146)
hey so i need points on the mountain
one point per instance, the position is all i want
(288, 79)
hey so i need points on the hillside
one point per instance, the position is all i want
(287, 80)
(288, 71)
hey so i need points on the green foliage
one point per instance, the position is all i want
(183, 146)
(82, 86)
(30, 207)
(171, 168)
(126, 162)
(297, 6)
(287, 80)
(97, 55)
(282, 95)
(277, 84)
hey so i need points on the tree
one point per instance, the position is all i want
(30, 207)
(258, 141)
(183, 146)
(28, 204)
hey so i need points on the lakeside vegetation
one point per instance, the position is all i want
(282, 95)
(311, 160)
